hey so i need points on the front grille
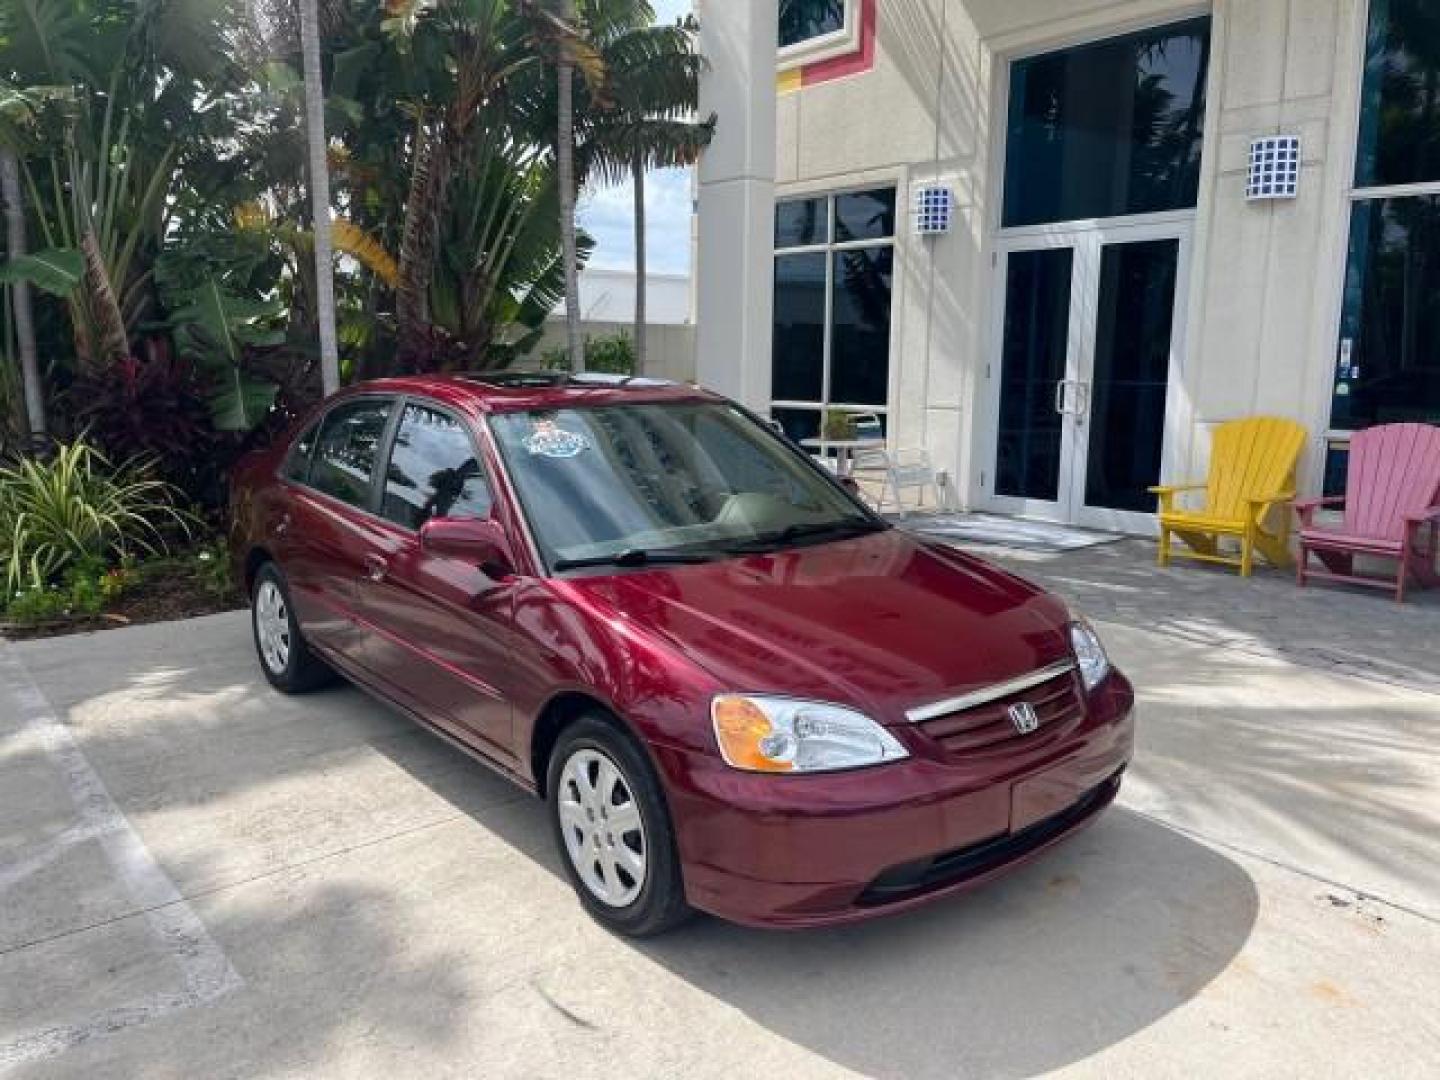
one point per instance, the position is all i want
(986, 729)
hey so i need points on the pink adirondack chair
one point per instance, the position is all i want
(1393, 503)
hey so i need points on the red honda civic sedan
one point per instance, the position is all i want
(736, 688)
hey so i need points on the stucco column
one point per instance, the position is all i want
(734, 266)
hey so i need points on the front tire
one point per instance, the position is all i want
(614, 831)
(286, 660)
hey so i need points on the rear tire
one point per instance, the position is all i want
(284, 657)
(613, 830)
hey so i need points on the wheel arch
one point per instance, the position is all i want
(255, 558)
(562, 710)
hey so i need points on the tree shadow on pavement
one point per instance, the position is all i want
(1090, 944)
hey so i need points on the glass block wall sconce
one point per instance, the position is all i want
(1274, 168)
(934, 209)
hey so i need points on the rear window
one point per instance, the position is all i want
(350, 437)
(297, 462)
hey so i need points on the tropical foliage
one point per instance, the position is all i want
(77, 509)
(159, 219)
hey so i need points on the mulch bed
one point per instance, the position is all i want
(171, 592)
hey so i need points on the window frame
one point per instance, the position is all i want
(829, 248)
(841, 42)
(1336, 439)
(393, 431)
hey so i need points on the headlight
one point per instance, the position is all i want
(782, 735)
(1089, 654)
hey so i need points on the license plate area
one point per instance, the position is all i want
(1054, 791)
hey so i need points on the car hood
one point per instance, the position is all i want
(883, 622)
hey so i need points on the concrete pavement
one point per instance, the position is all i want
(199, 877)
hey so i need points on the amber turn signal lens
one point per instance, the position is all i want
(742, 729)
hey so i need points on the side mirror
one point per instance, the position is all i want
(479, 542)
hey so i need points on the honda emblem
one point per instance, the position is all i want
(1024, 717)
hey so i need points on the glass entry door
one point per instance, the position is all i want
(1080, 382)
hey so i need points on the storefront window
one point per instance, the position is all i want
(1400, 118)
(1108, 129)
(834, 273)
(1387, 367)
(805, 20)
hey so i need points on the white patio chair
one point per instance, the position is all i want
(899, 471)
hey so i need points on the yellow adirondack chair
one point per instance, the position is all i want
(1252, 471)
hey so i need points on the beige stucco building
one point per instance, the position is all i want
(1106, 291)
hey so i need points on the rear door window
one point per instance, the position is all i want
(346, 451)
(297, 463)
(434, 471)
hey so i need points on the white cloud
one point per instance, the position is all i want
(608, 215)
(670, 10)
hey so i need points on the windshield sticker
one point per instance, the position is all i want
(548, 439)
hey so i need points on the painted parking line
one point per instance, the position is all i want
(208, 975)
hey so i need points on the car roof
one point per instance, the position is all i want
(518, 391)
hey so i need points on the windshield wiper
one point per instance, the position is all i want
(833, 530)
(635, 557)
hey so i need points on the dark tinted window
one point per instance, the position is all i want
(865, 215)
(297, 463)
(1388, 368)
(860, 310)
(799, 343)
(433, 471)
(801, 222)
(1036, 337)
(1108, 129)
(801, 20)
(345, 456)
(1400, 115)
(1131, 378)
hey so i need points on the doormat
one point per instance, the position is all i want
(994, 530)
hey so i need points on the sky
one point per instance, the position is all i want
(608, 213)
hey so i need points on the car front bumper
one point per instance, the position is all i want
(800, 851)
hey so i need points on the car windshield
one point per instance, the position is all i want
(678, 481)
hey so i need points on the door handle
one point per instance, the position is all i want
(1062, 393)
(282, 526)
(1082, 402)
(376, 566)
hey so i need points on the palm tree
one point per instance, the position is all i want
(319, 195)
(565, 162)
(647, 120)
(16, 248)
